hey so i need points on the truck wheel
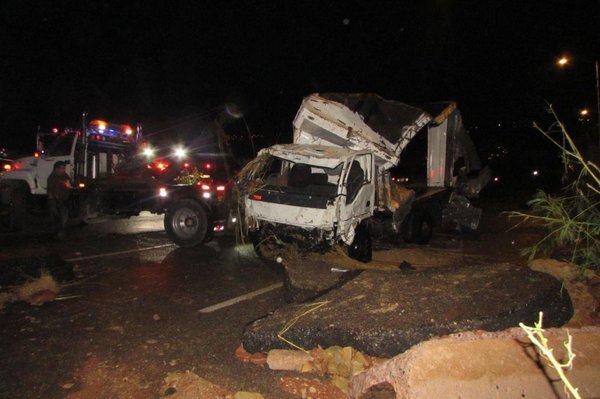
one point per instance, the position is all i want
(186, 223)
(361, 248)
(417, 227)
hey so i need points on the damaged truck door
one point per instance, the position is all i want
(333, 182)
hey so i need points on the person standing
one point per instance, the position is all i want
(58, 186)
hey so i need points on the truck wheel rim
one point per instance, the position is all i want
(185, 223)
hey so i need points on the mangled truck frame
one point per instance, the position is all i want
(332, 185)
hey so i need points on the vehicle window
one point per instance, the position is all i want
(56, 144)
(358, 175)
(356, 178)
(302, 178)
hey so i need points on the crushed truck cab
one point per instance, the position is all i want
(314, 187)
(333, 182)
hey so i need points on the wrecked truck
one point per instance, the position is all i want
(332, 185)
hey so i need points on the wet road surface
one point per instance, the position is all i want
(140, 308)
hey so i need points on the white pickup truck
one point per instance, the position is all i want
(332, 185)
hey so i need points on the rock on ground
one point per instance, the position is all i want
(306, 279)
(485, 365)
(384, 313)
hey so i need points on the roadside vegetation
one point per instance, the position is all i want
(571, 218)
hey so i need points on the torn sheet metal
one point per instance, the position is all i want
(318, 155)
(359, 121)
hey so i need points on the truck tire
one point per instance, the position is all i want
(417, 227)
(361, 248)
(186, 223)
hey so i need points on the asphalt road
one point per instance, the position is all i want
(138, 309)
(141, 308)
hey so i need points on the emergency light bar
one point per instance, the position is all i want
(99, 129)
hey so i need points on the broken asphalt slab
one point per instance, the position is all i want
(384, 313)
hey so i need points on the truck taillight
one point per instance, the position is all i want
(7, 167)
(220, 188)
(205, 187)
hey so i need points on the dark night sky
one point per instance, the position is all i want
(159, 62)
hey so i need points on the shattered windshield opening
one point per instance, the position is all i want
(300, 178)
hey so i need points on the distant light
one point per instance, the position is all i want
(128, 130)
(36, 154)
(496, 179)
(54, 130)
(584, 112)
(233, 220)
(346, 21)
(162, 165)
(162, 192)
(148, 152)
(208, 166)
(535, 173)
(562, 61)
(81, 185)
(186, 164)
(180, 152)
(101, 126)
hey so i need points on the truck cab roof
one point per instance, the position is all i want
(319, 155)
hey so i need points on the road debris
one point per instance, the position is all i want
(383, 313)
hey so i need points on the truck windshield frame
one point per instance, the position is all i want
(298, 184)
(56, 144)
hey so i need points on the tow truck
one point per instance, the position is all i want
(114, 173)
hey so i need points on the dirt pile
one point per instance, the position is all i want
(485, 365)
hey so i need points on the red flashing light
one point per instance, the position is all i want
(219, 227)
(257, 197)
(128, 130)
(220, 188)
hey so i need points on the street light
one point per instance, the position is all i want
(564, 61)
